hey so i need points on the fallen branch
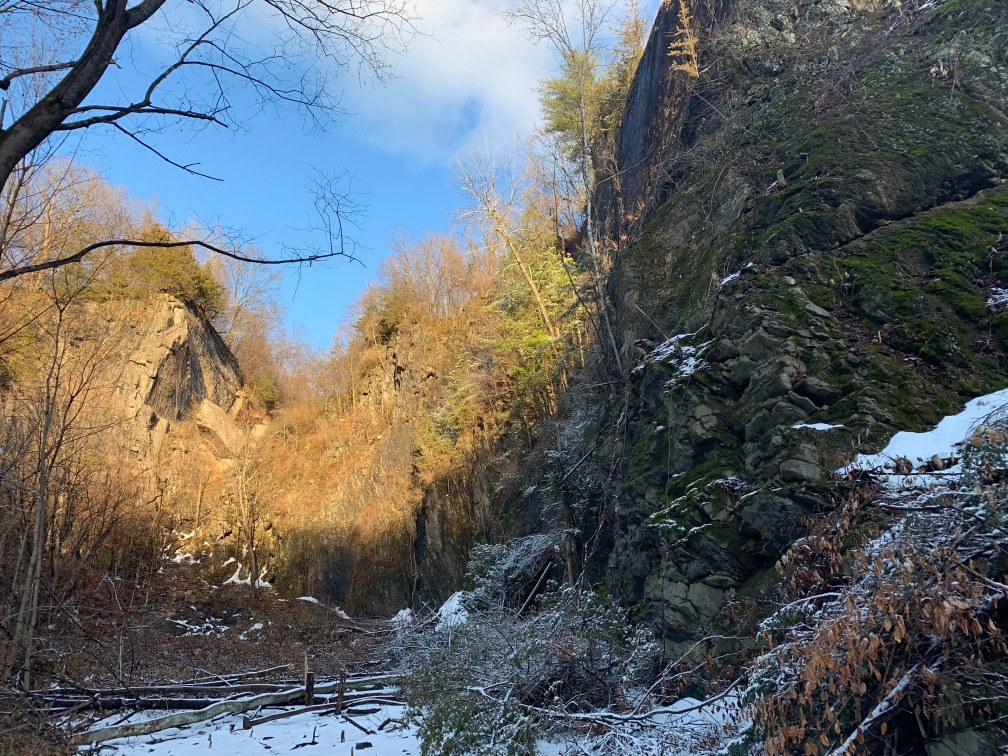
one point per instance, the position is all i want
(249, 722)
(237, 706)
(359, 726)
(96, 703)
(238, 676)
(159, 690)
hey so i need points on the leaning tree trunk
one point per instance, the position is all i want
(586, 173)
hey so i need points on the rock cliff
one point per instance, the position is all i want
(812, 253)
(177, 368)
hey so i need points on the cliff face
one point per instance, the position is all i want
(177, 368)
(396, 479)
(813, 229)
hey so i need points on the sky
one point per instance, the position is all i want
(468, 76)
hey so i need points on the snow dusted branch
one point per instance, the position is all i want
(880, 710)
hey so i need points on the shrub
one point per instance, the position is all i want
(495, 682)
(896, 635)
(142, 271)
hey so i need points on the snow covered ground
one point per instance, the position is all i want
(313, 731)
(330, 734)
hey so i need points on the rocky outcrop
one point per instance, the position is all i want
(817, 223)
(177, 368)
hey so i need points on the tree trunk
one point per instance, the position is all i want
(46, 116)
(590, 226)
(526, 272)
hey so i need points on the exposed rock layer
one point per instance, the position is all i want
(820, 214)
(178, 368)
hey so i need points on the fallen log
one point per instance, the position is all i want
(239, 676)
(60, 705)
(236, 706)
(358, 725)
(328, 707)
(249, 722)
(161, 690)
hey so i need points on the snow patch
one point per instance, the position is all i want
(210, 627)
(334, 609)
(237, 579)
(817, 426)
(254, 629)
(403, 619)
(224, 735)
(729, 279)
(684, 357)
(452, 612)
(941, 441)
(997, 298)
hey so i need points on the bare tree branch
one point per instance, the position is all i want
(53, 56)
(80, 254)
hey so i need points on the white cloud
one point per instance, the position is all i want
(473, 74)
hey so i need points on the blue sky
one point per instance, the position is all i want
(470, 75)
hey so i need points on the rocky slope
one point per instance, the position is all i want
(813, 233)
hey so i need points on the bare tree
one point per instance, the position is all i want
(575, 29)
(494, 184)
(46, 471)
(198, 63)
(250, 292)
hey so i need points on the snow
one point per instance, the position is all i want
(309, 599)
(941, 440)
(254, 629)
(211, 627)
(403, 619)
(669, 347)
(452, 612)
(225, 736)
(997, 298)
(683, 356)
(689, 366)
(732, 277)
(237, 579)
(684, 728)
(817, 426)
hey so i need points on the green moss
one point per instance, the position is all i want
(892, 200)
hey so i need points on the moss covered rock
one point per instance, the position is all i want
(824, 225)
